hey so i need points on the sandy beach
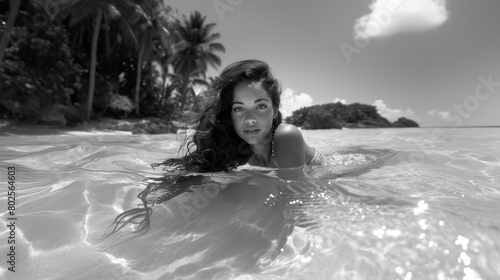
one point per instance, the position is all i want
(103, 126)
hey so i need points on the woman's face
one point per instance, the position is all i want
(252, 112)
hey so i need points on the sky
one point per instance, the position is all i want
(436, 62)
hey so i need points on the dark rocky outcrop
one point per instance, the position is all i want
(404, 122)
(315, 120)
(338, 115)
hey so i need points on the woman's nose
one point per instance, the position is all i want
(251, 121)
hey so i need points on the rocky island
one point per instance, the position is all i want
(338, 115)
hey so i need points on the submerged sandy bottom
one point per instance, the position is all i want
(393, 204)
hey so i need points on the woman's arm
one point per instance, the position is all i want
(290, 149)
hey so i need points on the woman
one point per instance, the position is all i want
(242, 124)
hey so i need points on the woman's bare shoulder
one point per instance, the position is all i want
(287, 130)
(290, 147)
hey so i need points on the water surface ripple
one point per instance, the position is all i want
(392, 204)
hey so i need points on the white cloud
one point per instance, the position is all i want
(392, 114)
(434, 115)
(389, 17)
(291, 101)
(336, 100)
(437, 118)
(444, 115)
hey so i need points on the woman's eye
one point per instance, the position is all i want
(237, 109)
(261, 106)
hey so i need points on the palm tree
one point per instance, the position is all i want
(154, 36)
(185, 87)
(165, 56)
(81, 11)
(14, 10)
(195, 50)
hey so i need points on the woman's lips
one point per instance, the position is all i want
(251, 130)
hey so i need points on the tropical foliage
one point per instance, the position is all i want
(9, 26)
(92, 58)
(38, 71)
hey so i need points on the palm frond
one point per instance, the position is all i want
(201, 82)
(216, 47)
(212, 37)
(213, 60)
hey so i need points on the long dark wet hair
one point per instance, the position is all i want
(215, 146)
(156, 192)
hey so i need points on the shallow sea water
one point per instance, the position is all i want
(392, 204)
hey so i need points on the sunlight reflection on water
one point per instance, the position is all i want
(393, 204)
